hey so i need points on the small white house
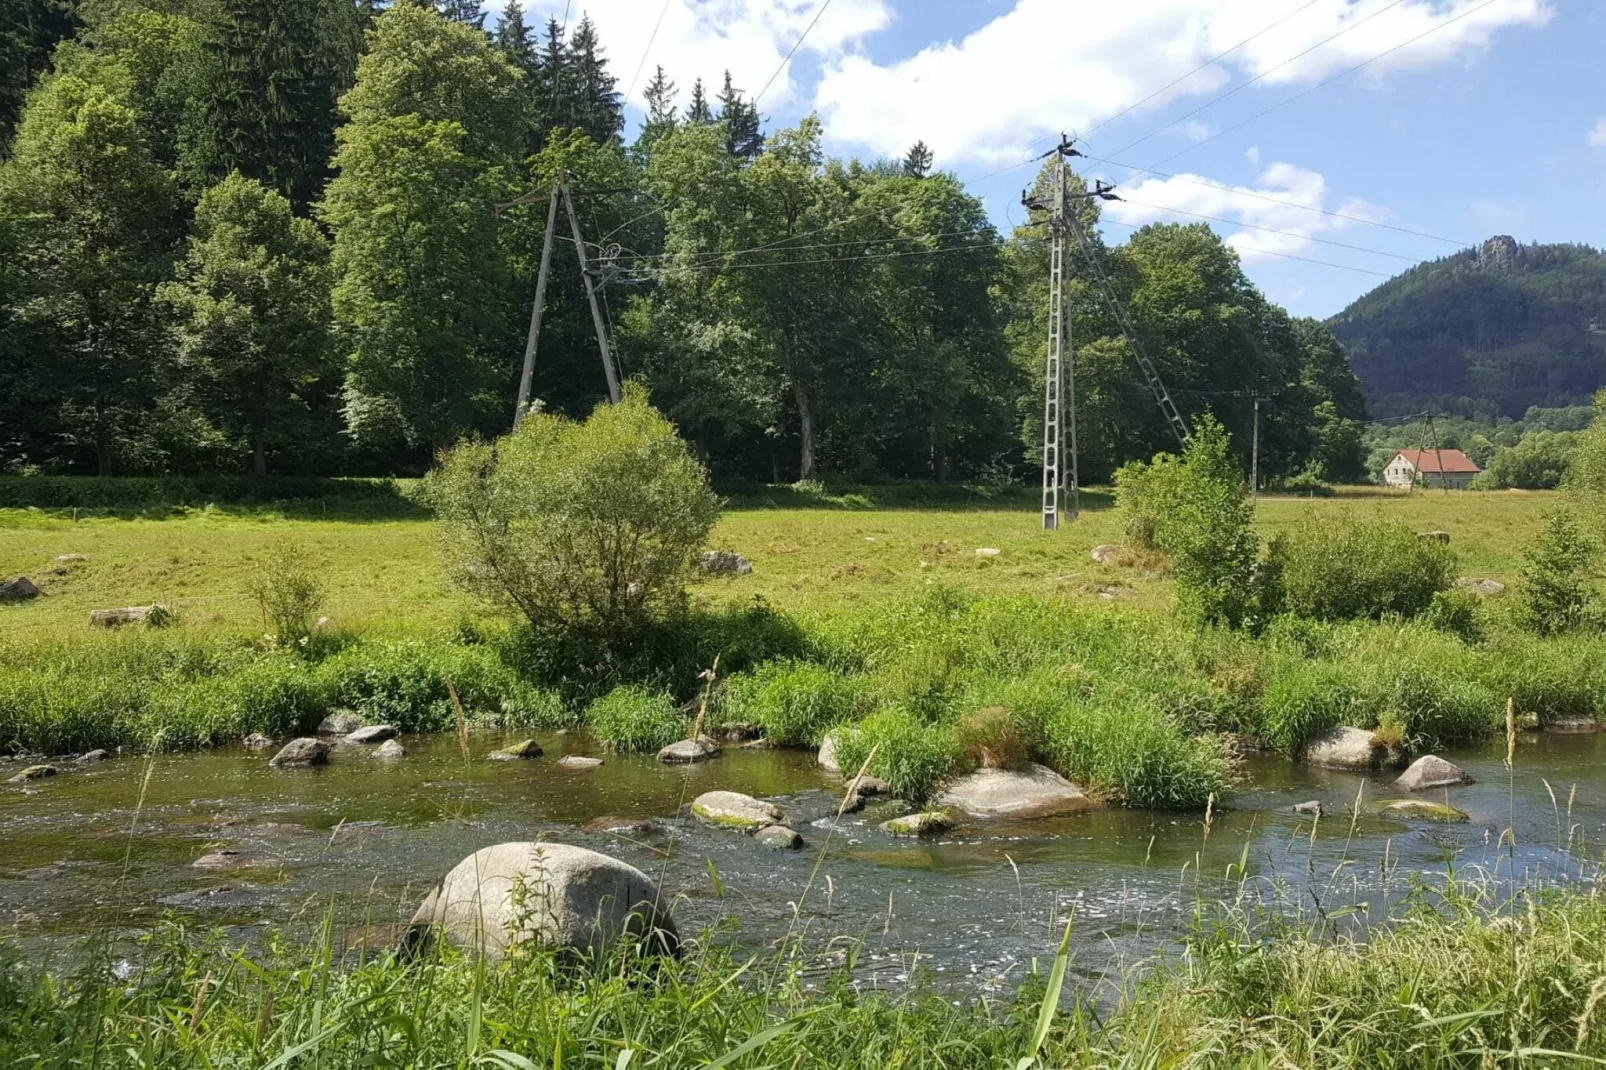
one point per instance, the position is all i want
(1432, 468)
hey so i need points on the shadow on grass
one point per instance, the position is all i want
(896, 496)
(162, 497)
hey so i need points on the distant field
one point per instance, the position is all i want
(382, 573)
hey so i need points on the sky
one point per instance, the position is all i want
(1333, 143)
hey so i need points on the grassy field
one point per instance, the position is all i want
(382, 572)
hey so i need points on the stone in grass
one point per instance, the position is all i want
(373, 733)
(33, 772)
(779, 837)
(689, 750)
(257, 741)
(388, 749)
(551, 894)
(1431, 771)
(1417, 810)
(925, 823)
(302, 752)
(1106, 554)
(18, 590)
(113, 618)
(988, 551)
(579, 761)
(525, 748)
(1035, 791)
(339, 723)
(724, 563)
(733, 810)
(1352, 748)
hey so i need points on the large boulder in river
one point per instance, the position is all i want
(388, 749)
(733, 810)
(1352, 748)
(1431, 771)
(827, 755)
(33, 772)
(302, 752)
(688, 750)
(373, 733)
(1035, 791)
(560, 896)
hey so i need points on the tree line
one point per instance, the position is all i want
(302, 237)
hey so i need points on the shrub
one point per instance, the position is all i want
(287, 591)
(1537, 462)
(1457, 612)
(405, 684)
(993, 738)
(633, 719)
(794, 702)
(1555, 598)
(586, 527)
(1307, 484)
(911, 754)
(1303, 698)
(1202, 519)
(1334, 566)
(1434, 705)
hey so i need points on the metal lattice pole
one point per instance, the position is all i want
(1052, 381)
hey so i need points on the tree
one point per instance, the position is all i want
(1556, 596)
(659, 96)
(555, 104)
(465, 11)
(422, 294)
(513, 37)
(95, 219)
(580, 527)
(917, 162)
(598, 109)
(252, 308)
(743, 136)
(699, 111)
(275, 71)
(1587, 472)
(29, 29)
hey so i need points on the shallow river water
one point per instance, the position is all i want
(84, 850)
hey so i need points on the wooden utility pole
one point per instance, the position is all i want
(591, 295)
(534, 338)
(1254, 457)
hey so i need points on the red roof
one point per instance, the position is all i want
(1450, 461)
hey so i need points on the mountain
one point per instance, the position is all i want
(1485, 332)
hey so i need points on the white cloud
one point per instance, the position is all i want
(1279, 201)
(1597, 136)
(704, 38)
(1045, 64)
(1252, 154)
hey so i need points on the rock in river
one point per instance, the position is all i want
(623, 826)
(525, 748)
(33, 772)
(558, 895)
(256, 741)
(1416, 810)
(926, 823)
(579, 761)
(89, 757)
(388, 749)
(827, 756)
(689, 750)
(1035, 791)
(733, 810)
(373, 733)
(1431, 771)
(1351, 748)
(303, 751)
(1309, 808)
(779, 837)
(339, 723)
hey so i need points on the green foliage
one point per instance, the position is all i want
(634, 719)
(1537, 462)
(580, 527)
(288, 592)
(911, 754)
(1556, 593)
(994, 738)
(1302, 699)
(1202, 518)
(1336, 566)
(793, 702)
(1458, 612)
(1587, 473)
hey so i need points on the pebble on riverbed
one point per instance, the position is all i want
(34, 772)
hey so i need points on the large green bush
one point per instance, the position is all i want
(911, 754)
(583, 527)
(793, 702)
(1556, 592)
(1336, 566)
(634, 719)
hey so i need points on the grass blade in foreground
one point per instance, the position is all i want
(1051, 998)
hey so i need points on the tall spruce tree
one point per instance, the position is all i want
(553, 84)
(698, 112)
(465, 11)
(741, 121)
(513, 37)
(276, 69)
(599, 110)
(659, 96)
(917, 161)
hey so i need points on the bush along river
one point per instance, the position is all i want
(222, 838)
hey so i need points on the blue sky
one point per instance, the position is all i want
(1466, 118)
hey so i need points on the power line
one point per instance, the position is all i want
(973, 247)
(1273, 230)
(1328, 81)
(714, 255)
(1263, 74)
(646, 51)
(1269, 252)
(790, 54)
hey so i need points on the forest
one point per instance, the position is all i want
(1483, 334)
(302, 237)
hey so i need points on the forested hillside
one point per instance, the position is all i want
(1485, 333)
(301, 236)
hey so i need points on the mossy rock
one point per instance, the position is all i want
(1417, 810)
(925, 823)
(733, 810)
